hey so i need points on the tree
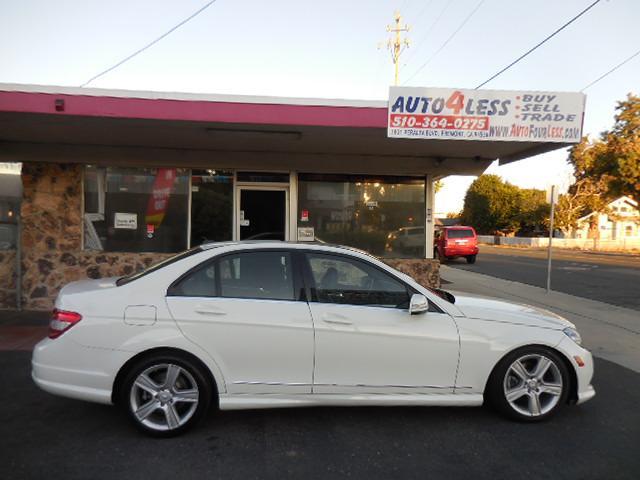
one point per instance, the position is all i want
(490, 205)
(532, 210)
(604, 169)
(612, 162)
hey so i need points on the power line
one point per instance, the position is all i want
(138, 52)
(540, 44)
(430, 29)
(611, 71)
(446, 42)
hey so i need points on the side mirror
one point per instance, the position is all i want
(418, 304)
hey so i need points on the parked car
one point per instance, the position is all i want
(271, 324)
(406, 241)
(453, 242)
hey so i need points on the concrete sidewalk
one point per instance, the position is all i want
(610, 332)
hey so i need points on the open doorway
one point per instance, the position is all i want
(262, 213)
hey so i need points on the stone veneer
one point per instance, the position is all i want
(7, 278)
(52, 252)
(425, 271)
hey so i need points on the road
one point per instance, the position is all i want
(613, 279)
(43, 436)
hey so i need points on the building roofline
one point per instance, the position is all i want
(185, 96)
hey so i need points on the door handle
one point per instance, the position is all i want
(209, 311)
(337, 319)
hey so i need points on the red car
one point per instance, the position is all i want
(453, 242)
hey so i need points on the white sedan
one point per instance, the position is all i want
(272, 324)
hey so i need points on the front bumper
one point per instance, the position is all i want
(584, 374)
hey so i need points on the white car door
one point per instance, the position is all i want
(244, 308)
(367, 341)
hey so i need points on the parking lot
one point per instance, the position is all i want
(43, 436)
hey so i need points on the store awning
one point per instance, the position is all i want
(269, 133)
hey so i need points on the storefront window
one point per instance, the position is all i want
(382, 215)
(136, 209)
(211, 206)
(10, 196)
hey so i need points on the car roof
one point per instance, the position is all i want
(285, 244)
(457, 227)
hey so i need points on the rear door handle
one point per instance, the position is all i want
(337, 319)
(202, 310)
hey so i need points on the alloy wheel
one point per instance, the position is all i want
(164, 397)
(533, 385)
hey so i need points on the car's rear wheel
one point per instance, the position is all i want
(165, 395)
(471, 259)
(530, 384)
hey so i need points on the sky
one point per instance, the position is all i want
(329, 49)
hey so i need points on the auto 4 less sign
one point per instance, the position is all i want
(456, 114)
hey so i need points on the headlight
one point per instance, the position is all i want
(573, 334)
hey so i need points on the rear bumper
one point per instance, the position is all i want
(460, 251)
(63, 367)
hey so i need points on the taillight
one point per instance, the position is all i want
(61, 321)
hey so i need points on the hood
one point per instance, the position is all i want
(497, 310)
(83, 286)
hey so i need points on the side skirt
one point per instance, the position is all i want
(251, 401)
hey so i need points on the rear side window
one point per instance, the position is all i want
(200, 282)
(262, 275)
(460, 233)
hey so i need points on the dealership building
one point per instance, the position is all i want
(105, 182)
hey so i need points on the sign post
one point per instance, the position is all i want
(552, 200)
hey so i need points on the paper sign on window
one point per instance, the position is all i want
(127, 221)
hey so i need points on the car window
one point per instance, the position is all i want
(200, 282)
(266, 275)
(164, 263)
(460, 233)
(348, 281)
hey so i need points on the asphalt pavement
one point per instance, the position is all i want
(44, 436)
(604, 277)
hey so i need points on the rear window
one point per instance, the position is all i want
(130, 278)
(460, 233)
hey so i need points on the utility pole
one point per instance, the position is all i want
(396, 44)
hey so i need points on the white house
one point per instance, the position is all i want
(620, 222)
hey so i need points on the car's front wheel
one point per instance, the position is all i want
(471, 259)
(164, 395)
(530, 384)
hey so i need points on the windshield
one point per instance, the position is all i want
(158, 266)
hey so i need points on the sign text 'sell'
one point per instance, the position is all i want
(497, 115)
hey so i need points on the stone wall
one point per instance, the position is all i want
(425, 271)
(52, 252)
(7, 278)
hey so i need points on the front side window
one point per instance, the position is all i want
(261, 275)
(348, 281)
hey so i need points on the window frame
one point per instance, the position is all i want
(299, 292)
(311, 286)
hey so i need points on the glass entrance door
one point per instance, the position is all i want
(262, 213)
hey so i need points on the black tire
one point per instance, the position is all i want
(176, 398)
(548, 404)
(471, 259)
